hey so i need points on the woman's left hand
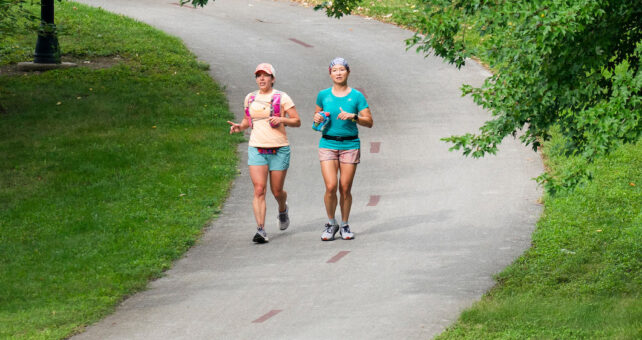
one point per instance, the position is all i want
(346, 115)
(275, 120)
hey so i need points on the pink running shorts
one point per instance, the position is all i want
(352, 156)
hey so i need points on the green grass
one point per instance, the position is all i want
(401, 12)
(107, 175)
(581, 278)
(404, 13)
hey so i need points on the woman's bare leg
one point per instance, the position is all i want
(259, 176)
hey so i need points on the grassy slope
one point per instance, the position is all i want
(582, 276)
(107, 175)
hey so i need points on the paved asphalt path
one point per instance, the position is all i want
(432, 227)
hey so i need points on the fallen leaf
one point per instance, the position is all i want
(58, 103)
(632, 184)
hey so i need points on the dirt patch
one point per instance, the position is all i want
(92, 63)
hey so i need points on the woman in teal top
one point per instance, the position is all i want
(339, 147)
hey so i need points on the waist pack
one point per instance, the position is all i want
(268, 151)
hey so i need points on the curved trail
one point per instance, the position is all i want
(432, 227)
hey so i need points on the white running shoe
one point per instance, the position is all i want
(345, 232)
(329, 232)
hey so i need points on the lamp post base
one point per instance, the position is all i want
(30, 66)
(47, 50)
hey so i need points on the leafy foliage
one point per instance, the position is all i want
(575, 64)
(195, 3)
(12, 16)
(338, 8)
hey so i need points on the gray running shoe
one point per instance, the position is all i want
(260, 236)
(345, 232)
(329, 232)
(284, 218)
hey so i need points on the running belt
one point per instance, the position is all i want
(340, 138)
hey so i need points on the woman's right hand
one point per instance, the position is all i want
(318, 118)
(234, 127)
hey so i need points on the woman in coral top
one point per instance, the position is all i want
(268, 112)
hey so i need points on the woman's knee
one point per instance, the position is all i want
(259, 191)
(345, 191)
(278, 192)
(331, 190)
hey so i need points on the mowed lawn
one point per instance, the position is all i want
(108, 172)
(582, 276)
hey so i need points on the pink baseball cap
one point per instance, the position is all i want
(265, 67)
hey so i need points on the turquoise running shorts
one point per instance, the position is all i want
(278, 161)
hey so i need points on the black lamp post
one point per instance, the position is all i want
(47, 50)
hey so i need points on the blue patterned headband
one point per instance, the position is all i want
(339, 61)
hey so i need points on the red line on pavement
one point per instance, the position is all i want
(360, 89)
(338, 257)
(300, 42)
(374, 199)
(268, 315)
(374, 147)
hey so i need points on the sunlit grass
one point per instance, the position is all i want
(581, 278)
(107, 175)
